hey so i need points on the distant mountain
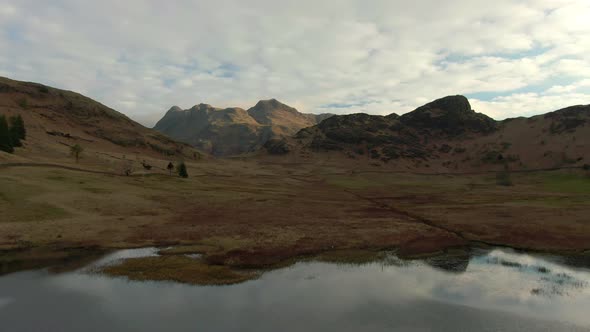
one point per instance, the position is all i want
(447, 135)
(233, 131)
(56, 119)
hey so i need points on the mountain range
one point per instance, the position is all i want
(447, 135)
(233, 131)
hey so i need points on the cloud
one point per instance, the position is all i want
(385, 56)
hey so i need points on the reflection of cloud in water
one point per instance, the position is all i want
(383, 296)
(508, 281)
(120, 255)
(4, 301)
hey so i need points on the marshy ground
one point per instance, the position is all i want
(245, 214)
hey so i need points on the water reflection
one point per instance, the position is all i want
(120, 255)
(497, 290)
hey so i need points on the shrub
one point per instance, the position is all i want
(503, 177)
(170, 167)
(76, 151)
(445, 148)
(182, 172)
(17, 130)
(127, 167)
(391, 152)
(23, 103)
(460, 150)
(375, 154)
(277, 146)
(5, 136)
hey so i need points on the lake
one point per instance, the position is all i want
(486, 290)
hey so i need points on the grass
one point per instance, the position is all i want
(187, 250)
(267, 215)
(353, 182)
(179, 269)
(567, 183)
(18, 203)
(397, 181)
(350, 256)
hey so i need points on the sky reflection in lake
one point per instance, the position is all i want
(489, 291)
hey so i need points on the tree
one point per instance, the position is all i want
(503, 177)
(17, 126)
(17, 130)
(5, 136)
(76, 151)
(170, 167)
(182, 170)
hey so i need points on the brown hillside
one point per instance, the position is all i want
(57, 119)
(447, 136)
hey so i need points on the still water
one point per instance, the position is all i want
(495, 290)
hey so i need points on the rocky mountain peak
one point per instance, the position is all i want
(449, 104)
(175, 109)
(451, 115)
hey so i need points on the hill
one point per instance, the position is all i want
(233, 131)
(447, 135)
(58, 119)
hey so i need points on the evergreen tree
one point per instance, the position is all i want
(5, 136)
(182, 170)
(170, 167)
(14, 129)
(503, 177)
(17, 125)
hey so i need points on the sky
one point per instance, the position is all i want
(509, 57)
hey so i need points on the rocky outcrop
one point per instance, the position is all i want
(451, 116)
(232, 131)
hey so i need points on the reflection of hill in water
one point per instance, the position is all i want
(455, 263)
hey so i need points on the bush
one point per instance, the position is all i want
(76, 151)
(277, 146)
(586, 167)
(460, 149)
(375, 154)
(445, 148)
(23, 103)
(170, 167)
(182, 172)
(5, 136)
(503, 177)
(17, 130)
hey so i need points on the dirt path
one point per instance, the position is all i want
(425, 221)
(409, 215)
(47, 165)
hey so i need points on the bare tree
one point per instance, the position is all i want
(170, 167)
(76, 151)
(127, 167)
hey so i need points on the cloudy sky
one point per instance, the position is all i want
(510, 57)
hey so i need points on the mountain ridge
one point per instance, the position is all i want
(234, 130)
(447, 135)
(56, 119)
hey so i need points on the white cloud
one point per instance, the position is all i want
(528, 104)
(382, 56)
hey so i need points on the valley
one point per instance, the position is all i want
(264, 210)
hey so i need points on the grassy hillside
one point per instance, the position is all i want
(56, 120)
(447, 136)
